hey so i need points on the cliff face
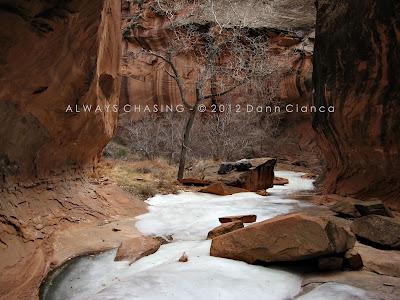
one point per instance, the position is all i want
(144, 80)
(54, 54)
(291, 38)
(356, 63)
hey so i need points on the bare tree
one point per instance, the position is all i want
(227, 58)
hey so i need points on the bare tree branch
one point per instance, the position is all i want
(224, 92)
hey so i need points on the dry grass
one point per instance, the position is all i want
(143, 178)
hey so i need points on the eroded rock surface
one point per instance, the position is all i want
(54, 54)
(356, 62)
(378, 230)
(293, 237)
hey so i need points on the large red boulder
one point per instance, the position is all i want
(291, 237)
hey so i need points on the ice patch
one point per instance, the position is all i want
(188, 216)
(161, 276)
(335, 291)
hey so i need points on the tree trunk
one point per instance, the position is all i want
(186, 141)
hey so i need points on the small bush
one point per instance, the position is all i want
(146, 190)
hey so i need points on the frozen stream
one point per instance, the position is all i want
(188, 217)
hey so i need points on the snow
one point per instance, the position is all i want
(188, 217)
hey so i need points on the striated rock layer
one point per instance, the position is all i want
(54, 54)
(356, 63)
(291, 37)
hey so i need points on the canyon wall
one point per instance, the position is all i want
(144, 80)
(291, 38)
(356, 65)
(54, 54)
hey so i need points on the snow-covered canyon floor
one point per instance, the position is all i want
(188, 217)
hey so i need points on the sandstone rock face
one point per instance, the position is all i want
(224, 228)
(385, 262)
(144, 80)
(291, 36)
(44, 225)
(378, 230)
(136, 248)
(292, 237)
(54, 54)
(356, 63)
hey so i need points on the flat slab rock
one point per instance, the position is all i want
(221, 189)
(292, 237)
(134, 249)
(241, 218)
(224, 228)
(380, 231)
(384, 262)
(354, 208)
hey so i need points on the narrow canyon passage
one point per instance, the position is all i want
(187, 217)
(110, 107)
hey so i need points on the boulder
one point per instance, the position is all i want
(292, 237)
(224, 228)
(194, 182)
(134, 249)
(226, 167)
(380, 231)
(330, 263)
(259, 177)
(280, 181)
(353, 259)
(240, 166)
(219, 188)
(353, 208)
(243, 165)
(242, 218)
(384, 262)
(373, 207)
(345, 207)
